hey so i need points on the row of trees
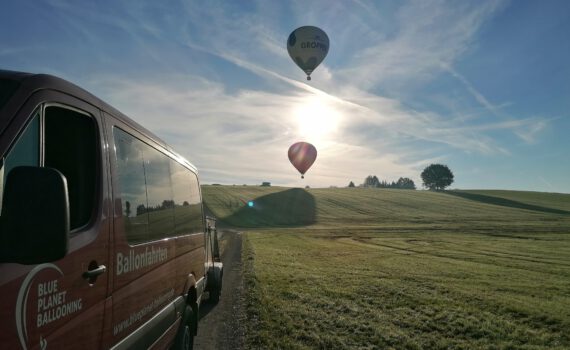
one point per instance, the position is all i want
(141, 209)
(373, 181)
(435, 177)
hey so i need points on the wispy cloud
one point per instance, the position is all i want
(207, 122)
(530, 132)
(380, 115)
(216, 82)
(526, 129)
(472, 90)
(427, 33)
(246, 134)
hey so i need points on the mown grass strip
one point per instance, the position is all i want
(312, 292)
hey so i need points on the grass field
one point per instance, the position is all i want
(378, 268)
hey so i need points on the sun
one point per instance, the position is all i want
(317, 119)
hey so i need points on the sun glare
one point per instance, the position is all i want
(317, 119)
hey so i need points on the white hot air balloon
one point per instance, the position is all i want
(308, 47)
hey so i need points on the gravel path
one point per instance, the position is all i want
(221, 325)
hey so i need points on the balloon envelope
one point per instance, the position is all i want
(302, 155)
(308, 47)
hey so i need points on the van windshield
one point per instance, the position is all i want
(7, 88)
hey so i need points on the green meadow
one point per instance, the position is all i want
(358, 268)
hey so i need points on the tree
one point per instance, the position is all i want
(437, 177)
(167, 204)
(371, 181)
(351, 184)
(406, 183)
(141, 209)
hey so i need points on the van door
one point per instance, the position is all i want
(60, 304)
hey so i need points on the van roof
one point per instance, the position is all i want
(29, 83)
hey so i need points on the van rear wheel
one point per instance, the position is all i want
(215, 288)
(214, 296)
(185, 337)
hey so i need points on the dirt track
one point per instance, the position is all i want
(221, 325)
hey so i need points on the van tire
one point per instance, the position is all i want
(214, 296)
(185, 336)
(215, 278)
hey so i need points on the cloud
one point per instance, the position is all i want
(526, 129)
(427, 33)
(256, 128)
(378, 115)
(474, 92)
(530, 131)
(243, 134)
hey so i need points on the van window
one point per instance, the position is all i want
(159, 192)
(26, 151)
(160, 197)
(188, 208)
(70, 146)
(130, 168)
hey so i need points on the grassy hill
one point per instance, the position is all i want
(272, 207)
(379, 268)
(278, 207)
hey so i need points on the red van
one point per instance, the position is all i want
(103, 238)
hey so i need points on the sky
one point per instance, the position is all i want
(480, 86)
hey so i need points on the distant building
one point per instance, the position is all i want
(266, 184)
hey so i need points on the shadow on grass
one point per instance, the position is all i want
(505, 202)
(290, 208)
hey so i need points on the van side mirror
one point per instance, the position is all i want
(34, 225)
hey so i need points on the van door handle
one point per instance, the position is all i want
(92, 274)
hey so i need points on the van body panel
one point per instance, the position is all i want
(142, 287)
(154, 328)
(79, 333)
(166, 339)
(136, 302)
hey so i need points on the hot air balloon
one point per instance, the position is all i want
(302, 155)
(308, 47)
